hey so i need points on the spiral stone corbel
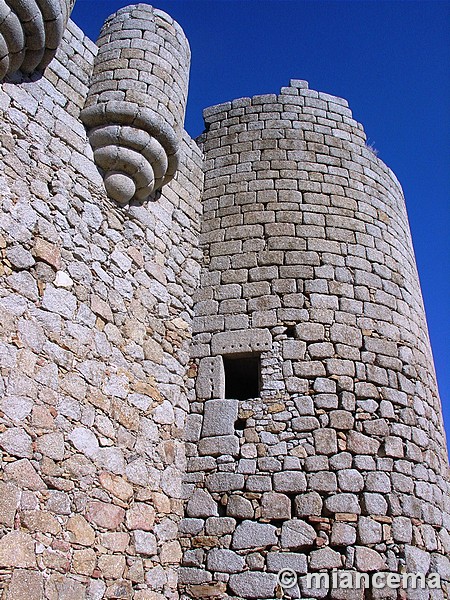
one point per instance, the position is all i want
(30, 33)
(135, 107)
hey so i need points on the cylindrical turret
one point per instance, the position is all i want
(136, 103)
(30, 33)
(316, 440)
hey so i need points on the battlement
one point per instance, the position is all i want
(214, 359)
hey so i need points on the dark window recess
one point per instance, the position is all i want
(240, 424)
(290, 331)
(242, 377)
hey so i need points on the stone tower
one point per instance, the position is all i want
(243, 313)
(315, 441)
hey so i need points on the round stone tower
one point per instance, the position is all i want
(316, 441)
(137, 99)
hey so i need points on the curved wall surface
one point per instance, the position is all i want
(316, 440)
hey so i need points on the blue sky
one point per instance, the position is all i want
(389, 59)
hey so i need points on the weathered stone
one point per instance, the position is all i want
(224, 561)
(239, 507)
(144, 543)
(305, 424)
(164, 413)
(119, 589)
(341, 419)
(289, 481)
(325, 441)
(232, 342)
(101, 308)
(343, 534)
(105, 515)
(215, 446)
(367, 560)
(325, 558)
(258, 483)
(191, 526)
(9, 503)
(417, 560)
(210, 382)
(402, 530)
(220, 525)
(378, 482)
(219, 417)
(110, 458)
(193, 426)
(189, 575)
(374, 504)
(19, 257)
(323, 481)
(140, 516)
(81, 531)
(111, 567)
(116, 485)
(17, 442)
(343, 503)
(369, 531)
(350, 480)
(201, 505)
(17, 550)
(84, 561)
(59, 301)
(362, 444)
(253, 535)
(60, 587)
(223, 482)
(51, 445)
(393, 446)
(275, 506)
(85, 441)
(296, 534)
(26, 585)
(47, 252)
(253, 585)
(116, 542)
(293, 349)
(308, 504)
(278, 561)
(23, 474)
(63, 280)
(41, 521)
(58, 502)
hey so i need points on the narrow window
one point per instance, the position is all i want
(290, 331)
(242, 377)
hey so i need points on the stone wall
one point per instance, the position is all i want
(95, 321)
(314, 437)
(339, 462)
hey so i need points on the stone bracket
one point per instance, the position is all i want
(241, 341)
(210, 379)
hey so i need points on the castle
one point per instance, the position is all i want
(214, 358)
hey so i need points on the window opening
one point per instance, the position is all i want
(290, 331)
(242, 377)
